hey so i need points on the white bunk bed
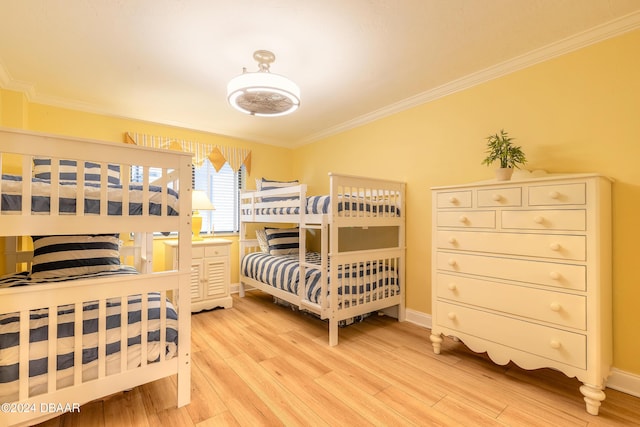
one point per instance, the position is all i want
(341, 281)
(83, 309)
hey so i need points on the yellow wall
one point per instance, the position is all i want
(576, 113)
(17, 112)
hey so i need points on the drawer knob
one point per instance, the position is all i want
(451, 315)
(453, 240)
(538, 219)
(463, 219)
(452, 262)
(555, 306)
(453, 200)
(496, 197)
(554, 195)
(555, 344)
(554, 275)
(555, 246)
(452, 286)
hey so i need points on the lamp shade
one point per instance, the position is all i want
(200, 201)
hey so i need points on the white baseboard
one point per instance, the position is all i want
(626, 382)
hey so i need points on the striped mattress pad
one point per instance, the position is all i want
(41, 201)
(283, 272)
(320, 205)
(38, 349)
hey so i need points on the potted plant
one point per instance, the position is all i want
(501, 149)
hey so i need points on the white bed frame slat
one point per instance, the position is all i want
(176, 167)
(369, 190)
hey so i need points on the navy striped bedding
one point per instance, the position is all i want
(320, 205)
(41, 190)
(283, 272)
(9, 339)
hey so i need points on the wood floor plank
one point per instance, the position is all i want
(334, 411)
(287, 405)
(360, 401)
(262, 364)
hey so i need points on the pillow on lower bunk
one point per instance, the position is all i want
(283, 241)
(261, 236)
(266, 184)
(64, 256)
(69, 173)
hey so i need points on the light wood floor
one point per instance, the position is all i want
(263, 364)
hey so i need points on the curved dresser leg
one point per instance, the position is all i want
(593, 396)
(436, 340)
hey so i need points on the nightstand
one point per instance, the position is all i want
(210, 272)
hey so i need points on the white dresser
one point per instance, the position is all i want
(522, 271)
(210, 272)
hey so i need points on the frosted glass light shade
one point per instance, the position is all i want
(263, 94)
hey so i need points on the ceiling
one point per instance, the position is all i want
(169, 61)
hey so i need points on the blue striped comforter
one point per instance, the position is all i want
(41, 190)
(283, 272)
(38, 361)
(320, 205)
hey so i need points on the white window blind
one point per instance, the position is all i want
(222, 188)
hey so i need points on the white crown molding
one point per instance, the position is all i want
(578, 41)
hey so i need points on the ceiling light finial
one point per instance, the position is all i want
(263, 93)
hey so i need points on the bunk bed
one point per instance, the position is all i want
(90, 208)
(338, 277)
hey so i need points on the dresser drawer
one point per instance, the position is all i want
(218, 250)
(554, 344)
(557, 275)
(557, 246)
(475, 219)
(570, 220)
(454, 199)
(557, 194)
(554, 307)
(500, 197)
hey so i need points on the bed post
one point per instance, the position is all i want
(184, 293)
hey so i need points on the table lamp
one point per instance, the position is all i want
(199, 201)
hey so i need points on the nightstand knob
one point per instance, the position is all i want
(555, 344)
(453, 200)
(538, 219)
(555, 306)
(496, 197)
(554, 194)
(452, 286)
(451, 315)
(452, 262)
(463, 219)
(555, 275)
(452, 240)
(555, 246)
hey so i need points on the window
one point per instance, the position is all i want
(223, 189)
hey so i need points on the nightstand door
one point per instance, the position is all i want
(216, 271)
(196, 280)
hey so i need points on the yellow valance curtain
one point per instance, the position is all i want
(218, 155)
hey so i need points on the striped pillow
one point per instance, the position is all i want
(283, 241)
(267, 184)
(68, 171)
(64, 256)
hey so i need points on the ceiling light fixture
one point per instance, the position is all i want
(262, 93)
